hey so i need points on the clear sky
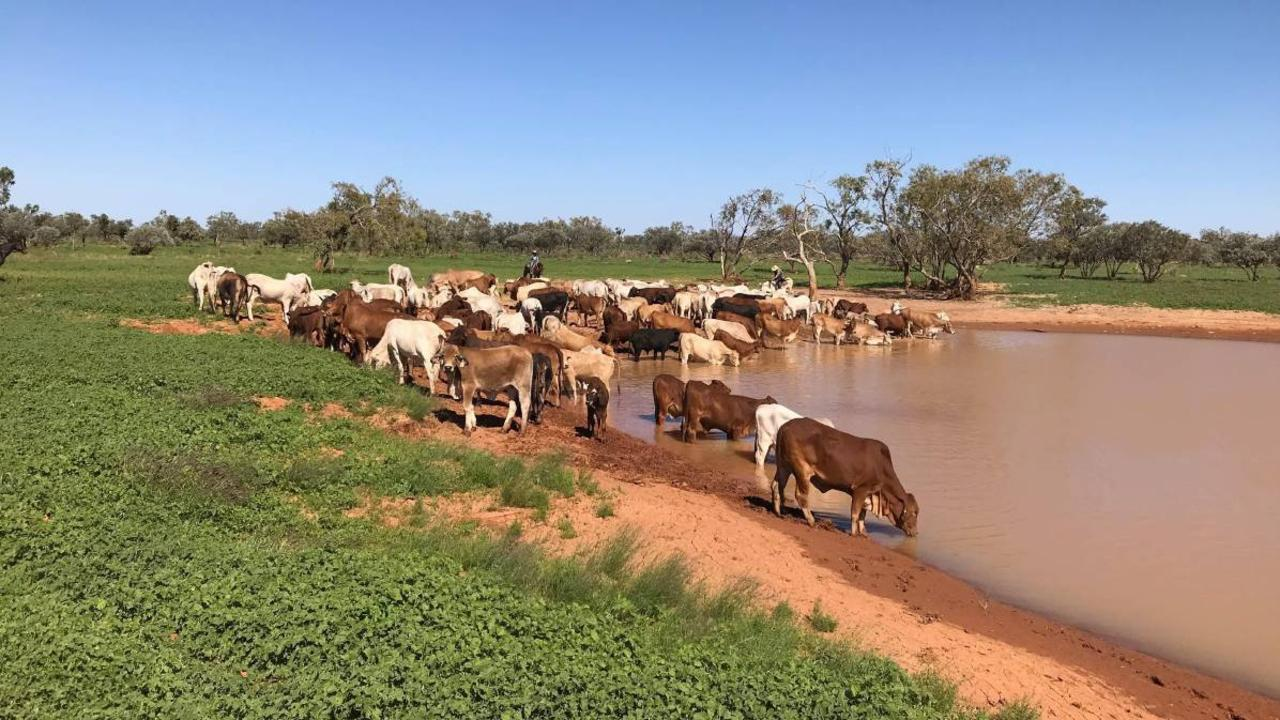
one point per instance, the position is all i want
(641, 113)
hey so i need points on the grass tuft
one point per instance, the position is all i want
(821, 621)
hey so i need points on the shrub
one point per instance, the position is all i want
(147, 237)
(821, 621)
(604, 509)
(565, 527)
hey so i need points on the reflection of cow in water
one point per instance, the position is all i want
(9, 248)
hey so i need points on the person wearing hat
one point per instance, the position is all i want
(778, 279)
(534, 267)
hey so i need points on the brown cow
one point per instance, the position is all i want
(310, 323)
(847, 308)
(706, 410)
(776, 307)
(744, 349)
(597, 402)
(927, 324)
(618, 332)
(589, 306)
(456, 278)
(482, 283)
(668, 396)
(662, 320)
(511, 287)
(825, 458)
(233, 293)
(361, 323)
(538, 346)
(742, 320)
(506, 369)
(893, 324)
(784, 330)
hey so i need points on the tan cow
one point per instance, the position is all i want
(457, 278)
(737, 330)
(835, 327)
(927, 324)
(555, 331)
(693, 345)
(864, 333)
(589, 306)
(507, 369)
(582, 364)
(784, 330)
(666, 321)
(646, 312)
(631, 306)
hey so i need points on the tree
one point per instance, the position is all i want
(975, 216)
(146, 237)
(798, 226)
(6, 184)
(884, 190)
(663, 240)
(224, 226)
(1247, 251)
(845, 214)
(1112, 247)
(1073, 218)
(744, 227)
(73, 225)
(45, 236)
(1154, 247)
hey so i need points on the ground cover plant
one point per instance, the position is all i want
(169, 549)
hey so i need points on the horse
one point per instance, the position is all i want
(9, 248)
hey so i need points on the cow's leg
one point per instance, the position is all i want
(511, 411)
(763, 444)
(858, 510)
(469, 410)
(526, 400)
(399, 362)
(780, 477)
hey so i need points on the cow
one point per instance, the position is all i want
(380, 291)
(745, 308)
(631, 306)
(864, 333)
(511, 321)
(594, 288)
(831, 325)
(769, 418)
(539, 346)
(668, 396)
(198, 280)
(618, 332)
(798, 305)
(776, 307)
(587, 364)
(290, 292)
(234, 292)
(10, 248)
(693, 345)
(362, 323)
(828, 459)
(927, 324)
(687, 304)
(404, 339)
(705, 410)
(742, 320)
(596, 398)
(507, 369)
(893, 324)
(589, 306)
(784, 330)
(848, 308)
(522, 291)
(460, 279)
(657, 342)
(654, 295)
(712, 326)
(744, 349)
(559, 334)
(554, 302)
(666, 321)
(310, 323)
(400, 275)
(543, 381)
(211, 284)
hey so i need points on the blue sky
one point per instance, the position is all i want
(641, 113)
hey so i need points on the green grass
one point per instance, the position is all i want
(821, 621)
(169, 550)
(604, 509)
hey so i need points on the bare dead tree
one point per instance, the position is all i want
(798, 222)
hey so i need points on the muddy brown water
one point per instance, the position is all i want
(1127, 485)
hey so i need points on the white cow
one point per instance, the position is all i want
(594, 288)
(316, 298)
(291, 292)
(379, 291)
(799, 305)
(736, 330)
(400, 275)
(699, 348)
(403, 339)
(211, 283)
(511, 321)
(483, 303)
(769, 418)
(522, 294)
(198, 280)
(629, 306)
(687, 304)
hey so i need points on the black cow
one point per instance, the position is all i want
(655, 296)
(553, 301)
(657, 342)
(745, 308)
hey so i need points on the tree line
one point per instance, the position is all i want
(943, 225)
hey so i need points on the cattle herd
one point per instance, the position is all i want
(516, 339)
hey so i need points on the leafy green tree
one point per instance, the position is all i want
(147, 237)
(845, 214)
(746, 226)
(663, 240)
(45, 236)
(1154, 247)
(888, 214)
(6, 184)
(1247, 251)
(224, 227)
(1073, 218)
(72, 225)
(1112, 247)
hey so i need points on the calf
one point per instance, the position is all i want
(825, 458)
(705, 410)
(657, 342)
(865, 333)
(543, 380)
(831, 325)
(310, 323)
(668, 396)
(505, 369)
(597, 402)
(589, 306)
(587, 364)
(233, 293)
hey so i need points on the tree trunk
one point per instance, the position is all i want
(906, 275)
(842, 272)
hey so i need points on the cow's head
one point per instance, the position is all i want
(734, 358)
(906, 515)
(897, 308)
(946, 322)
